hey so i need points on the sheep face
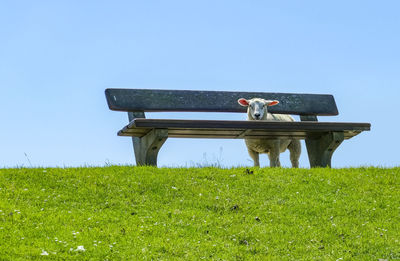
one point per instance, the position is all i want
(257, 108)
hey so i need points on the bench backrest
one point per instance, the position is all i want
(151, 100)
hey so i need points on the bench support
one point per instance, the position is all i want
(147, 147)
(320, 150)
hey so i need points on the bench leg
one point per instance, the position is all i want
(320, 150)
(147, 147)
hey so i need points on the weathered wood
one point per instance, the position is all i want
(241, 129)
(217, 134)
(308, 118)
(310, 144)
(320, 150)
(254, 125)
(136, 141)
(243, 134)
(148, 135)
(215, 101)
(148, 146)
(135, 115)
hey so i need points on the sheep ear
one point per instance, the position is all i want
(272, 103)
(243, 102)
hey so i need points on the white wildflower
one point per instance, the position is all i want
(80, 248)
(44, 253)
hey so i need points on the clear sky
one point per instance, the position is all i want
(57, 58)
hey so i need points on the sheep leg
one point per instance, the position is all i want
(255, 156)
(295, 151)
(273, 155)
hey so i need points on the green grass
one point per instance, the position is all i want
(136, 213)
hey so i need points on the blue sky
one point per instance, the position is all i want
(57, 57)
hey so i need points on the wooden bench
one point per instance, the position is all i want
(321, 138)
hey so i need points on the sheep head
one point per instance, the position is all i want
(257, 107)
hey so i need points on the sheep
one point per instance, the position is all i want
(257, 110)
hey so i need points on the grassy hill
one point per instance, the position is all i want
(135, 213)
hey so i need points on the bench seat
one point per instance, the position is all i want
(139, 127)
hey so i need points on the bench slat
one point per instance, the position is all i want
(272, 125)
(151, 100)
(240, 129)
(196, 133)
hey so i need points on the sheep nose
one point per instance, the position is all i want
(256, 115)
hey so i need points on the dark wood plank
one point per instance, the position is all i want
(270, 125)
(241, 129)
(215, 101)
(196, 133)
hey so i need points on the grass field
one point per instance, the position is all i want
(136, 213)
